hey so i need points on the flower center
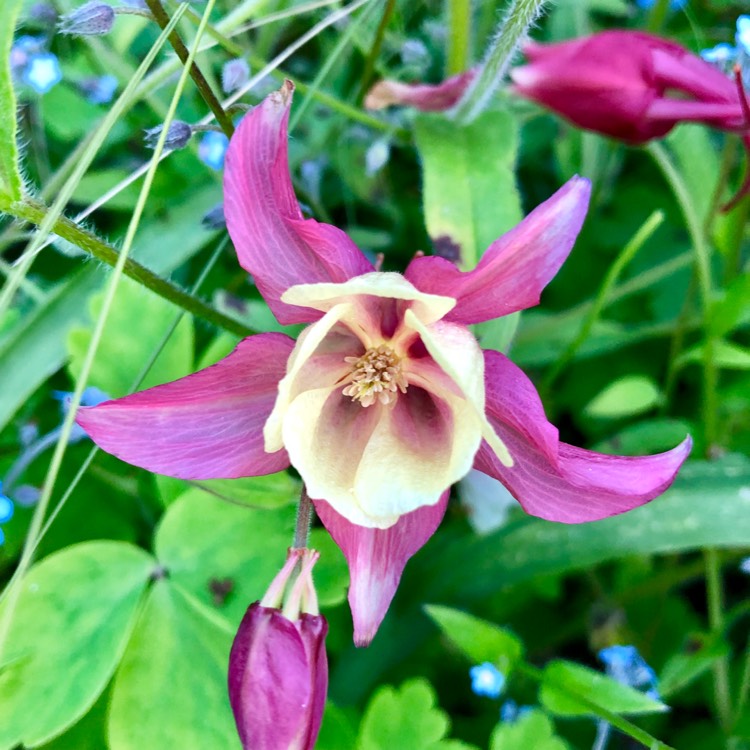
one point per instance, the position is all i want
(375, 376)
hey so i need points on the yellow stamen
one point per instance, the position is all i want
(376, 376)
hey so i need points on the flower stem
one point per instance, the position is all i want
(459, 36)
(521, 14)
(716, 621)
(35, 212)
(305, 512)
(162, 18)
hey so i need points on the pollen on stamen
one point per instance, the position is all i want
(376, 376)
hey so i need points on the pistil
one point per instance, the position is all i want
(376, 376)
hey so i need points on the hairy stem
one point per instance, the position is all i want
(458, 23)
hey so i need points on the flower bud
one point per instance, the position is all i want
(234, 75)
(278, 672)
(91, 19)
(178, 135)
(628, 85)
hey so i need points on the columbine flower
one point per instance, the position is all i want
(278, 671)
(386, 399)
(487, 680)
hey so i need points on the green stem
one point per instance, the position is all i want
(657, 16)
(617, 721)
(162, 18)
(703, 270)
(626, 255)
(675, 345)
(720, 667)
(520, 15)
(35, 212)
(458, 23)
(369, 67)
(744, 690)
(305, 511)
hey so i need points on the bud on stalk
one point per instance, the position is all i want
(278, 671)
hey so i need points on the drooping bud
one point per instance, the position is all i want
(628, 85)
(278, 671)
(94, 18)
(178, 135)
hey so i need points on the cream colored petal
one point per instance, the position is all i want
(309, 340)
(418, 449)
(457, 352)
(326, 435)
(429, 307)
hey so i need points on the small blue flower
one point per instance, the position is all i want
(6, 506)
(745, 566)
(743, 34)
(511, 712)
(626, 665)
(487, 679)
(673, 4)
(234, 75)
(23, 49)
(42, 72)
(722, 55)
(212, 149)
(99, 89)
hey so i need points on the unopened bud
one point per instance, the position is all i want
(278, 671)
(178, 135)
(92, 19)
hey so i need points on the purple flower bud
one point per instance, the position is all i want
(91, 19)
(214, 218)
(178, 135)
(234, 75)
(278, 671)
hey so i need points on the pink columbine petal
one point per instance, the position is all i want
(557, 481)
(377, 558)
(207, 425)
(515, 268)
(273, 241)
(425, 96)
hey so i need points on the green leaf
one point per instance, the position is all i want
(480, 641)
(564, 683)
(709, 505)
(10, 178)
(726, 355)
(470, 194)
(404, 717)
(226, 555)
(74, 618)
(531, 731)
(129, 340)
(731, 310)
(170, 690)
(268, 492)
(625, 397)
(338, 731)
(682, 669)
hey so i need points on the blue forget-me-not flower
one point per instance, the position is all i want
(487, 679)
(213, 148)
